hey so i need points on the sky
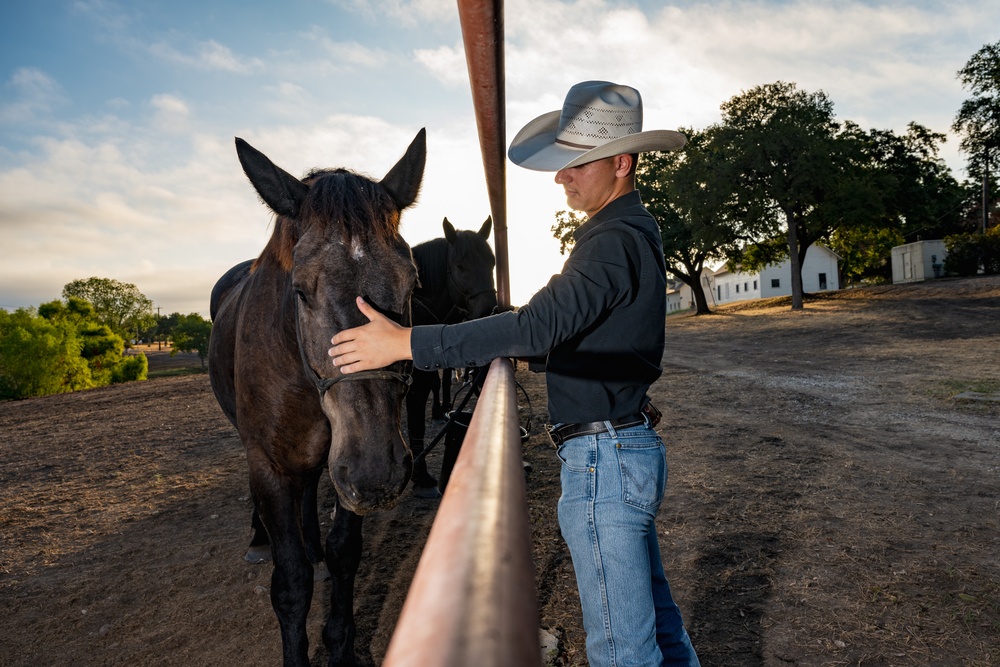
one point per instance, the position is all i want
(117, 118)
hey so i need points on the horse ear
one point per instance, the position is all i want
(484, 231)
(281, 191)
(449, 231)
(403, 180)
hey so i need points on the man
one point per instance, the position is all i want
(600, 325)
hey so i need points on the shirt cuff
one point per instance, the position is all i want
(426, 346)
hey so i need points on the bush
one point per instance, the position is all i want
(131, 369)
(964, 254)
(39, 357)
(991, 251)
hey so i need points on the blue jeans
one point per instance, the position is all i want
(612, 487)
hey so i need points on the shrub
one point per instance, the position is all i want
(131, 369)
(964, 254)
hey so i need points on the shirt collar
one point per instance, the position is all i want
(612, 210)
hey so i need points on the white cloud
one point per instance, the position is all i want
(447, 64)
(208, 56)
(347, 54)
(406, 12)
(170, 113)
(32, 92)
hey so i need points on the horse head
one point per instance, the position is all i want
(336, 237)
(470, 269)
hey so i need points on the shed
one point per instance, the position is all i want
(917, 261)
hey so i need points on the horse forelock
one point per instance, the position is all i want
(362, 208)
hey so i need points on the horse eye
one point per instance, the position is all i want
(302, 296)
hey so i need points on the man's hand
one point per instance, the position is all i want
(373, 345)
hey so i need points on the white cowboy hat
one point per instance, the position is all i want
(599, 119)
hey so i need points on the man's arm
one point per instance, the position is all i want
(373, 345)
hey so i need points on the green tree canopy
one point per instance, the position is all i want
(978, 119)
(794, 173)
(192, 333)
(120, 306)
(691, 195)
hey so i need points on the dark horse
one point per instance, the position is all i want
(336, 236)
(455, 284)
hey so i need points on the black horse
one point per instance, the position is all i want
(455, 284)
(336, 235)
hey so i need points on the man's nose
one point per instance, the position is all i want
(562, 177)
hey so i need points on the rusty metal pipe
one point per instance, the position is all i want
(482, 32)
(472, 600)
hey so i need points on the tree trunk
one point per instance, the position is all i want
(693, 280)
(793, 257)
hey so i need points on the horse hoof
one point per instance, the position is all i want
(429, 492)
(258, 554)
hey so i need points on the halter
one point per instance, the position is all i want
(323, 384)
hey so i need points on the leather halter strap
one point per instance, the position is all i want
(323, 384)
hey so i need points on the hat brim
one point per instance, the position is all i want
(535, 145)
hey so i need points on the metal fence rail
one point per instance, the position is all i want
(473, 600)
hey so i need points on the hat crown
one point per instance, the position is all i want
(597, 112)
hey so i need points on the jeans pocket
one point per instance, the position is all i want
(576, 456)
(643, 468)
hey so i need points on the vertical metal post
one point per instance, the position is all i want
(482, 32)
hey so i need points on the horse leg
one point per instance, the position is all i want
(416, 407)
(437, 404)
(343, 557)
(279, 502)
(310, 518)
(446, 391)
(259, 550)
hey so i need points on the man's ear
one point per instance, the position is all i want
(623, 165)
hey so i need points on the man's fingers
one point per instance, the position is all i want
(366, 310)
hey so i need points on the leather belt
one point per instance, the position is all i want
(560, 434)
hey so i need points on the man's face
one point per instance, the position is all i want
(591, 186)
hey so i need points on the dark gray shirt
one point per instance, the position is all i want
(599, 323)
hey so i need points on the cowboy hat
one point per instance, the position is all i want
(599, 119)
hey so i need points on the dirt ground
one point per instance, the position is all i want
(833, 500)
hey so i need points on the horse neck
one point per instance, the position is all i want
(432, 297)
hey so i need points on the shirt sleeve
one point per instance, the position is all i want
(600, 273)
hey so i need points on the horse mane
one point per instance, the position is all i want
(363, 209)
(432, 265)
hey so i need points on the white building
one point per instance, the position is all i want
(819, 274)
(921, 260)
(677, 298)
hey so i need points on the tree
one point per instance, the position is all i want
(794, 172)
(192, 333)
(978, 121)
(690, 193)
(567, 223)
(920, 197)
(120, 306)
